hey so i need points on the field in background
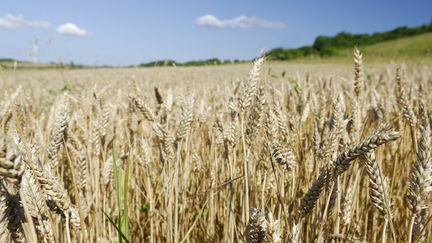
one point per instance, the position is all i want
(265, 153)
(416, 49)
(413, 49)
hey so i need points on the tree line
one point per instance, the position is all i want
(326, 46)
(206, 62)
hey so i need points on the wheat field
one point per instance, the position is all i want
(260, 152)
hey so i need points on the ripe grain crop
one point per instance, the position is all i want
(286, 153)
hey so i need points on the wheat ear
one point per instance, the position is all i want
(382, 135)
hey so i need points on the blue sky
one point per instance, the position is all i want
(132, 32)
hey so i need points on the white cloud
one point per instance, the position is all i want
(71, 29)
(10, 21)
(241, 22)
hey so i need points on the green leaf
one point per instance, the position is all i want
(116, 227)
